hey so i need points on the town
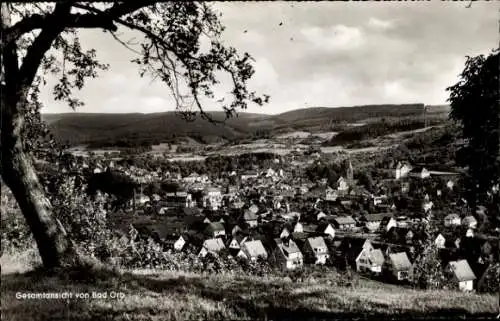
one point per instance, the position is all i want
(289, 212)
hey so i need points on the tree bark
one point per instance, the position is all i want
(18, 171)
(19, 174)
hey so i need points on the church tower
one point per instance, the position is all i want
(350, 174)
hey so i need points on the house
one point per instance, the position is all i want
(284, 233)
(373, 221)
(330, 194)
(452, 220)
(440, 241)
(216, 229)
(271, 173)
(192, 178)
(419, 172)
(326, 229)
(387, 223)
(212, 246)
(237, 241)
(252, 250)
(461, 274)
(378, 200)
(402, 170)
(342, 185)
(288, 255)
(176, 243)
(320, 215)
(399, 266)
(235, 230)
(212, 198)
(344, 222)
(249, 175)
(350, 248)
(469, 221)
(427, 206)
(370, 260)
(250, 218)
(178, 200)
(298, 228)
(450, 184)
(316, 249)
(254, 209)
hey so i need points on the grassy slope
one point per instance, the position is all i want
(179, 296)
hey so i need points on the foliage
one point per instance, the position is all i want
(376, 129)
(474, 104)
(319, 170)
(15, 234)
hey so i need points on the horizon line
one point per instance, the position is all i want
(241, 111)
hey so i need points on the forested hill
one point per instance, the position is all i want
(84, 128)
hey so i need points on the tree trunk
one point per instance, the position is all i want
(19, 174)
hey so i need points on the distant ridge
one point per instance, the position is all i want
(83, 128)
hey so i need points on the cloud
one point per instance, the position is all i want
(324, 54)
(380, 24)
(338, 37)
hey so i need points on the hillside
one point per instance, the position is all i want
(82, 128)
(146, 295)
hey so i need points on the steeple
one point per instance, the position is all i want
(350, 173)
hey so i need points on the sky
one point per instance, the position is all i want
(327, 54)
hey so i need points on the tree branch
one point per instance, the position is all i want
(42, 44)
(37, 21)
(9, 55)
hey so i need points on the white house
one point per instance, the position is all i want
(450, 184)
(373, 221)
(427, 206)
(370, 260)
(326, 229)
(330, 194)
(250, 218)
(176, 243)
(469, 221)
(320, 215)
(342, 185)
(452, 220)
(284, 233)
(377, 200)
(462, 274)
(298, 228)
(212, 198)
(271, 173)
(252, 250)
(213, 246)
(402, 170)
(316, 248)
(387, 223)
(237, 241)
(288, 255)
(440, 241)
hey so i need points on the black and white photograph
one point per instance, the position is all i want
(250, 160)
